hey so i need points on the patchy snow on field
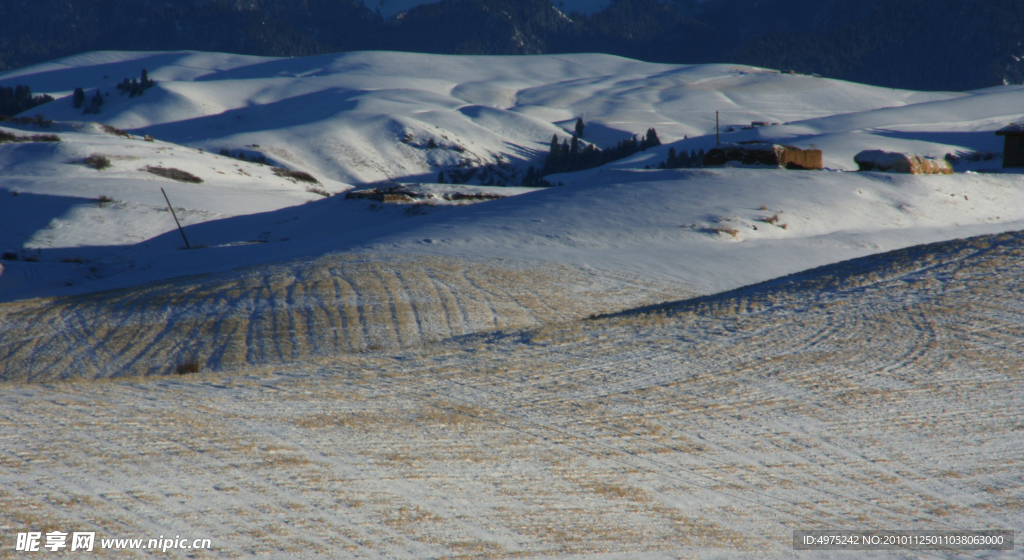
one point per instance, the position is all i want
(416, 376)
(882, 393)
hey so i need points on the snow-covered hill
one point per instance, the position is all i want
(371, 116)
(387, 378)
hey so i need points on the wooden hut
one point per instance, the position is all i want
(1013, 145)
(764, 153)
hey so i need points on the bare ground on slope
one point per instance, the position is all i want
(330, 305)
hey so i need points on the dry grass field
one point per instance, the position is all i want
(344, 303)
(878, 393)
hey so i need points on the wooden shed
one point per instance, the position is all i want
(1013, 146)
(764, 153)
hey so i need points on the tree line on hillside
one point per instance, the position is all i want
(566, 156)
(17, 99)
(132, 87)
(683, 160)
(893, 43)
(135, 87)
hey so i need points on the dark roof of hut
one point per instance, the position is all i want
(1012, 128)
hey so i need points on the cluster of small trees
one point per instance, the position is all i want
(14, 100)
(241, 156)
(132, 87)
(575, 155)
(136, 87)
(682, 160)
(78, 99)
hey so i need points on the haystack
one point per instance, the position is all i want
(764, 153)
(895, 162)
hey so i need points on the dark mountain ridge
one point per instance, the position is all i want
(912, 44)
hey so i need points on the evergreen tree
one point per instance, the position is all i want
(78, 98)
(22, 94)
(97, 102)
(700, 159)
(440, 176)
(579, 127)
(574, 148)
(652, 138)
(553, 161)
(531, 177)
(145, 79)
(591, 157)
(672, 162)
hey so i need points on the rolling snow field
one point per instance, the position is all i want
(637, 363)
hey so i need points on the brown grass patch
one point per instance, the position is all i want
(175, 174)
(9, 137)
(615, 491)
(115, 131)
(296, 175)
(188, 366)
(97, 162)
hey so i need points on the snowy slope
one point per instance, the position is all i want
(672, 231)
(360, 274)
(701, 228)
(368, 390)
(52, 199)
(369, 116)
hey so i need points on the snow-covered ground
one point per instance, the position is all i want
(678, 231)
(879, 394)
(494, 110)
(369, 116)
(369, 388)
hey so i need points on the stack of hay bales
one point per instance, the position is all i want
(764, 153)
(895, 162)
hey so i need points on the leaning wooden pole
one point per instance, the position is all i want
(175, 218)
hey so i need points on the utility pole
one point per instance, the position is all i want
(717, 140)
(175, 217)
